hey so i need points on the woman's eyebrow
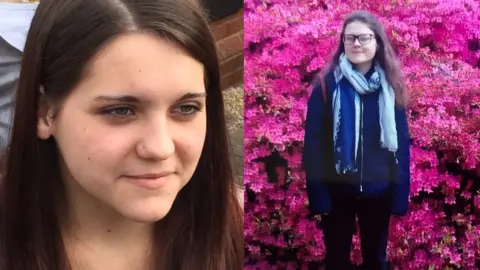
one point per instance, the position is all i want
(363, 33)
(192, 95)
(124, 98)
(134, 99)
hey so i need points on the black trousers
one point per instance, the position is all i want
(339, 227)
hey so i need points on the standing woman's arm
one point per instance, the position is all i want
(314, 153)
(402, 183)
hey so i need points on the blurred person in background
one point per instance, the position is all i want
(356, 147)
(15, 19)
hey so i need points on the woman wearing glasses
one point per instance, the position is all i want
(356, 152)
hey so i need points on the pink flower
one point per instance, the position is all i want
(437, 44)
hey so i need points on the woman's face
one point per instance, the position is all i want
(131, 133)
(364, 45)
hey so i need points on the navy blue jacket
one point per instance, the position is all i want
(384, 173)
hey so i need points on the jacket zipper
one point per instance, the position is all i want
(361, 145)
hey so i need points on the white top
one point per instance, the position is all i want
(15, 20)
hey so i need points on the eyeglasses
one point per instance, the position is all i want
(364, 39)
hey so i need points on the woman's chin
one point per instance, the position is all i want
(146, 213)
(146, 217)
(357, 59)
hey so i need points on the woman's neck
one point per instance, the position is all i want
(363, 68)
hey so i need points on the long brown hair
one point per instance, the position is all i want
(204, 228)
(385, 54)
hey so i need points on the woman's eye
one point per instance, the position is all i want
(120, 112)
(187, 109)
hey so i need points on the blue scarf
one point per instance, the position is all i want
(347, 109)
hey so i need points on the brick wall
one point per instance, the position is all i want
(228, 33)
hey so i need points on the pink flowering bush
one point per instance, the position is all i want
(437, 42)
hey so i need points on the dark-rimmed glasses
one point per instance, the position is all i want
(364, 39)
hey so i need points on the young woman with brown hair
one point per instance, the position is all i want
(119, 155)
(356, 152)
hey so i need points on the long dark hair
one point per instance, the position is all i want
(385, 54)
(204, 228)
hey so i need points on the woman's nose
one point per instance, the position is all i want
(157, 142)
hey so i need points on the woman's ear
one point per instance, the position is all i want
(45, 116)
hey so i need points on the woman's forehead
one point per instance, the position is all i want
(144, 63)
(357, 28)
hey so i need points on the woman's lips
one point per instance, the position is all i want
(149, 181)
